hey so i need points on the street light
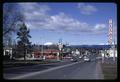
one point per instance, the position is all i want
(42, 46)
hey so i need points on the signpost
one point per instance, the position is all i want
(110, 35)
(110, 39)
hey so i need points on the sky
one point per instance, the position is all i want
(74, 23)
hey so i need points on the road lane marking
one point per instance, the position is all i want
(44, 71)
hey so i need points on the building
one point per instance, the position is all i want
(48, 53)
(7, 51)
(110, 53)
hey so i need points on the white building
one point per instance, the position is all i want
(110, 52)
(8, 51)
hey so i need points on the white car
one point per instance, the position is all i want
(73, 60)
(86, 58)
(80, 56)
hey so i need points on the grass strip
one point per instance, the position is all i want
(8, 64)
(109, 70)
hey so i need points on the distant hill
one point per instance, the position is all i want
(91, 46)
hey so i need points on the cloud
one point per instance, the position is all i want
(30, 7)
(62, 22)
(99, 27)
(86, 9)
(34, 12)
(37, 17)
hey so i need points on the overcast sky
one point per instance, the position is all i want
(75, 23)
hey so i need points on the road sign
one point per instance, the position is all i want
(110, 32)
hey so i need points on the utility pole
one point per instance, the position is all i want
(42, 43)
(60, 46)
(42, 49)
(114, 43)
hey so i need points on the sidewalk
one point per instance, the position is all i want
(99, 73)
(109, 68)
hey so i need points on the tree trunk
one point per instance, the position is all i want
(24, 54)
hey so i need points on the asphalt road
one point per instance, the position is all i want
(86, 70)
(63, 70)
(17, 71)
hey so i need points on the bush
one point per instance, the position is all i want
(6, 57)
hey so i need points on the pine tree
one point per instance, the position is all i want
(23, 43)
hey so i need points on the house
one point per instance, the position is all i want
(7, 51)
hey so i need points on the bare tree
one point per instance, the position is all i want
(11, 16)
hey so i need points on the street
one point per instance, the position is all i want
(87, 70)
(63, 70)
(59, 41)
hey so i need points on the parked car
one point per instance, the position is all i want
(81, 56)
(86, 58)
(74, 60)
